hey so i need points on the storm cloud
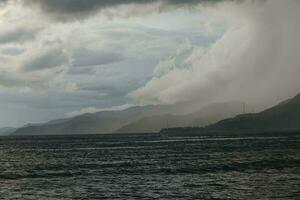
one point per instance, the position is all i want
(65, 10)
(256, 60)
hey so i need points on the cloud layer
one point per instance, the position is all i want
(66, 10)
(87, 6)
(49, 68)
(255, 60)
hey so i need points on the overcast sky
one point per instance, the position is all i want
(60, 58)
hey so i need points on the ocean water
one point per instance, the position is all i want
(149, 166)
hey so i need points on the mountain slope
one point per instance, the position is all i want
(6, 130)
(153, 124)
(135, 119)
(205, 116)
(283, 117)
(101, 122)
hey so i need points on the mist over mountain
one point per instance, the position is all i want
(90, 123)
(282, 117)
(202, 117)
(139, 119)
(226, 116)
(7, 130)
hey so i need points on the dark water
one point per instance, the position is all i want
(149, 167)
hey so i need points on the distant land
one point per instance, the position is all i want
(202, 117)
(139, 119)
(284, 117)
(7, 130)
(184, 117)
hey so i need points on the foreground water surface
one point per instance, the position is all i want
(149, 166)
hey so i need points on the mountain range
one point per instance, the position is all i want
(139, 119)
(153, 118)
(283, 117)
(7, 130)
(202, 117)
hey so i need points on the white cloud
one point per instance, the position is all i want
(71, 87)
(255, 60)
(165, 66)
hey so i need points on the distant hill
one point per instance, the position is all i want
(153, 124)
(283, 117)
(91, 123)
(205, 116)
(139, 119)
(7, 130)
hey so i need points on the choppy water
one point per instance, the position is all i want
(149, 167)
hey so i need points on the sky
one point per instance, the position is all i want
(62, 58)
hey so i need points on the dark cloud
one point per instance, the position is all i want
(19, 35)
(79, 9)
(51, 59)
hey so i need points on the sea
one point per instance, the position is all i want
(149, 166)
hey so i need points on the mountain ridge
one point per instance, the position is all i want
(134, 119)
(202, 117)
(7, 130)
(284, 117)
